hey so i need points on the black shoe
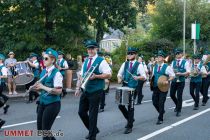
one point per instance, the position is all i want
(2, 122)
(159, 122)
(127, 126)
(178, 114)
(138, 103)
(175, 109)
(88, 136)
(64, 94)
(100, 110)
(6, 109)
(196, 108)
(128, 130)
(203, 104)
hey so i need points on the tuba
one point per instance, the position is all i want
(87, 76)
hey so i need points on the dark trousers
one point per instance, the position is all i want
(90, 102)
(176, 93)
(204, 88)
(139, 91)
(4, 97)
(102, 100)
(158, 99)
(32, 93)
(194, 92)
(128, 113)
(46, 115)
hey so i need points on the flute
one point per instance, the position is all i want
(31, 87)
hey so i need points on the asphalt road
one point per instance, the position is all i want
(192, 125)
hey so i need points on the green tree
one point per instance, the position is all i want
(28, 26)
(115, 14)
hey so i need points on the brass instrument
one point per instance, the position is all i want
(194, 72)
(177, 77)
(87, 75)
(207, 60)
(206, 66)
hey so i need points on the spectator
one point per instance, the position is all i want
(10, 63)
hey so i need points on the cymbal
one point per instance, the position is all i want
(163, 87)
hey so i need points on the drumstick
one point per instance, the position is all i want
(131, 74)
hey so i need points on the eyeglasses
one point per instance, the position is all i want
(130, 53)
(46, 58)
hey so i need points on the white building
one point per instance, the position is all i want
(111, 41)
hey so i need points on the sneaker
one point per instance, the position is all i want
(10, 93)
(15, 93)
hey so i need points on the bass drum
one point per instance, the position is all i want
(22, 73)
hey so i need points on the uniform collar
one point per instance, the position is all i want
(161, 64)
(50, 68)
(179, 59)
(94, 57)
(61, 59)
(34, 61)
(132, 61)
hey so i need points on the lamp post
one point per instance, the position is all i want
(184, 26)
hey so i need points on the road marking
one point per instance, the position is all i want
(147, 101)
(18, 124)
(189, 102)
(173, 125)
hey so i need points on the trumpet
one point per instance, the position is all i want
(87, 75)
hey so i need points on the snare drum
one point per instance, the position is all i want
(124, 95)
(23, 73)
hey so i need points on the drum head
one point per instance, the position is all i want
(23, 79)
(163, 87)
(125, 88)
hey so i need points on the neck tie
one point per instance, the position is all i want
(177, 63)
(159, 68)
(131, 65)
(89, 64)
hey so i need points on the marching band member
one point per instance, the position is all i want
(159, 97)
(131, 81)
(62, 66)
(90, 98)
(196, 79)
(50, 88)
(182, 70)
(3, 75)
(141, 82)
(10, 63)
(33, 62)
(206, 79)
(103, 95)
